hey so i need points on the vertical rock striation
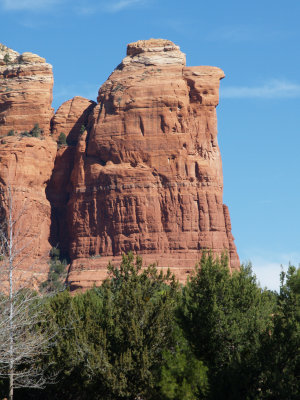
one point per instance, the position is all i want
(147, 177)
(26, 162)
(26, 167)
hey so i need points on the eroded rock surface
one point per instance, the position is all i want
(147, 177)
(26, 83)
(26, 167)
(142, 171)
(71, 118)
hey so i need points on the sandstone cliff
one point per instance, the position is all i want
(26, 167)
(71, 118)
(26, 83)
(148, 176)
(142, 171)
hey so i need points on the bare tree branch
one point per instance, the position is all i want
(22, 341)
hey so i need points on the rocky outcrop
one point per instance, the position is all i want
(26, 167)
(147, 177)
(71, 118)
(142, 170)
(26, 83)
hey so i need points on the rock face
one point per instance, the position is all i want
(26, 83)
(26, 167)
(71, 118)
(142, 171)
(147, 177)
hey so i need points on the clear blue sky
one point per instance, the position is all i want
(257, 45)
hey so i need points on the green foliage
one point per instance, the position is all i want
(183, 376)
(6, 58)
(222, 316)
(36, 131)
(11, 133)
(62, 139)
(82, 129)
(139, 320)
(113, 337)
(280, 355)
(55, 253)
(57, 273)
(140, 336)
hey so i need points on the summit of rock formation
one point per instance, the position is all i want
(26, 83)
(152, 52)
(141, 170)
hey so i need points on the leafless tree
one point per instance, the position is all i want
(22, 341)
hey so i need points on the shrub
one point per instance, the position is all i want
(6, 58)
(62, 139)
(36, 131)
(11, 133)
(57, 273)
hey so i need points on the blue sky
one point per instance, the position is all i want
(257, 45)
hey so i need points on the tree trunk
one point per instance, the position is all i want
(11, 384)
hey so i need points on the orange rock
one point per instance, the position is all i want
(145, 176)
(58, 195)
(26, 167)
(71, 117)
(26, 83)
(148, 176)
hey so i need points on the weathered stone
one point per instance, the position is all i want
(71, 118)
(26, 167)
(145, 176)
(26, 83)
(148, 177)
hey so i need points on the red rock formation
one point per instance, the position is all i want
(71, 117)
(148, 176)
(26, 83)
(26, 167)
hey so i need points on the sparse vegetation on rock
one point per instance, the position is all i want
(62, 140)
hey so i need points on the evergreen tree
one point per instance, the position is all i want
(183, 376)
(280, 355)
(111, 339)
(222, 316)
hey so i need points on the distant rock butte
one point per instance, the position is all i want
(26, 83)
(143, 171)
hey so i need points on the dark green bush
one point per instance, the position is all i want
(62, 139)
(36, 131)
(6, 58)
